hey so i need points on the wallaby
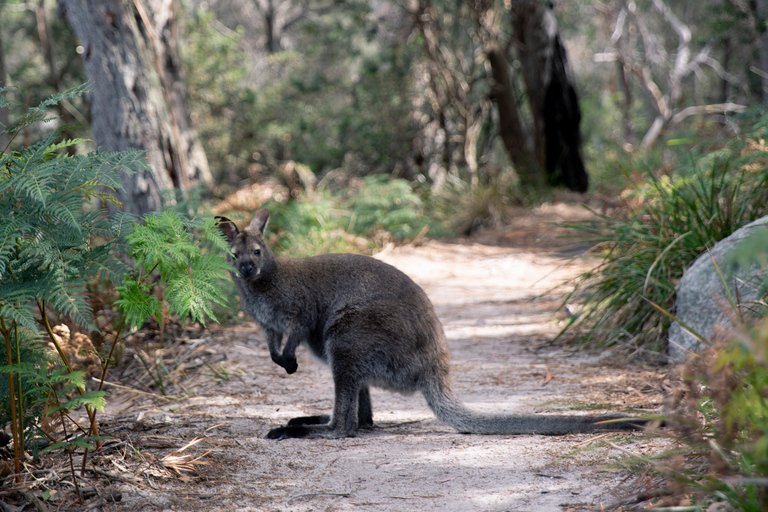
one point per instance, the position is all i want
(374, 327)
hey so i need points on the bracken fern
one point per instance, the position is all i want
(51, 247)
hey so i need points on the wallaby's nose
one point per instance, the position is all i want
(246, 270)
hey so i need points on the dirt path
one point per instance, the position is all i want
(503, 362)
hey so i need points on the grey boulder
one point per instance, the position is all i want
(702, 302)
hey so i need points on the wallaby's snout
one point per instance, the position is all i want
(246, 271)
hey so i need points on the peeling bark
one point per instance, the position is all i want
(139, 97)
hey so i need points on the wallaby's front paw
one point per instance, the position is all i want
(290, 365)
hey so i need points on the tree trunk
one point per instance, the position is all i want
(552, 97)
(762, 16)
(4, 138)
(511, 130)
(139, 97)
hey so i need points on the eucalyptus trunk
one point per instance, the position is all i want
(139, 94)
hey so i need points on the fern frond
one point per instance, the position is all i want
(137, 303)
(4, 102)
(214, 235)
(96, 400)
(66, 210)
(20, 313)
(38, 113)
(190, 293)
(68, 295)
(68, 143)
(100, 263)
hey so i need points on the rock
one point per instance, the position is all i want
(701, 301)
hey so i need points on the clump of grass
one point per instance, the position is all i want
(466, 207)
(671, 221)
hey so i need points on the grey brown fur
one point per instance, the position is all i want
(373, 326)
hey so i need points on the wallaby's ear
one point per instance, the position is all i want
(228, 228)
(259, 222)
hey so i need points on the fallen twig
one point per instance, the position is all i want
(314, 494)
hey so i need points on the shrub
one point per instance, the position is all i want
(717, 415)
(368, 213)
(50, 249)
(54, 243)
(674, 219)
(719, 422)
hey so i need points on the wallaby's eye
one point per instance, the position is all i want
(257, 252)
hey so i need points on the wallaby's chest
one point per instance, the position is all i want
(279, 310)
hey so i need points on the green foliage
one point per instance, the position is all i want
(53, 243)
(47, 249)
(342, 101)
(384, 203)
(370, 212)
(35, 73)
(220, 98)
(190, 277)
(673, 219)
(720, 421)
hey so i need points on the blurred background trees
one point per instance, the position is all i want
(451, 96)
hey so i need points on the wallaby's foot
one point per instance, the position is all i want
(322, 419)
(289, 363)
(307, 431)
(291, 432)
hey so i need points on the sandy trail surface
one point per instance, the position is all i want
(500, 337)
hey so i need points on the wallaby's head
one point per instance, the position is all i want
(250, 255)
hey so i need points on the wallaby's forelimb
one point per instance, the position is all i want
(286, 358)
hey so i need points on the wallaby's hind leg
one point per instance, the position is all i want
(320, 419)
(364, 414)
(364, 409)
(344, 420)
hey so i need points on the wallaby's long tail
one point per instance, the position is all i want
(452, 411)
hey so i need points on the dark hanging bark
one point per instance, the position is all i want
(562, 116)
(139, 96)
(553, 99)
(761, 9)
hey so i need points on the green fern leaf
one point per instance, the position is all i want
(137, 303)
(64, 144)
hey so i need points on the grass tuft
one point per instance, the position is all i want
(671, 220)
